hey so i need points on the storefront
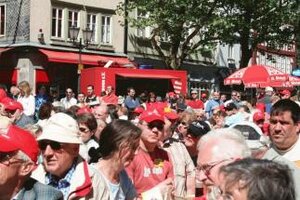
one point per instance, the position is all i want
(159, 81)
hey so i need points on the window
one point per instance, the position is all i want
(57, 20)
(106, 30)
(143, 31)
(72, 20)
(91, 24)
(2, 19)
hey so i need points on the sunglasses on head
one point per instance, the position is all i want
(54, 145)
(156, 124)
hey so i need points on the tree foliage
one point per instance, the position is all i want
(196, 25)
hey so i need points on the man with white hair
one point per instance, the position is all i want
(63, 167)
(215, 149)
(18, 156)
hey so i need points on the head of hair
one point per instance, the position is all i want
(90, 86)
(25, 87)
(223, 135)
(88, 119)
(45, 110)
(284, 105)
(264, 179)
(113, 136)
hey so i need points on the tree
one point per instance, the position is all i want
(185, 22)
(251, 22)
(195, 26)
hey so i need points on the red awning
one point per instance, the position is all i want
(41, 76)
(86, 59)
(150, 76)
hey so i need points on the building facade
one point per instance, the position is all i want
(36, 44)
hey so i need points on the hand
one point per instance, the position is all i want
(166, 187)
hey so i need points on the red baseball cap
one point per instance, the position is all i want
(150, 116)
(203, 95)
(260, 106)
(171, 94)
(2, 94)
(258, 116)
(10, 104)
(84, 109)
(285, 92)
(16, 138)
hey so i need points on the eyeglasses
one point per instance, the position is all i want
(69, 92)
(10, 112)
(6, 156)
(54, 145)
(206, 168)
(81, 129)
(154, 124)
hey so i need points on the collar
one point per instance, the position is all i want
(63, 182)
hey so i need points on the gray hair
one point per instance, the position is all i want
(21, 155)
(219, 136)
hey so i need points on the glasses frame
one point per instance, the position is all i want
(206, 168)
(7, 156)
(53, 144)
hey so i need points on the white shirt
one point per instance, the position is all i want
(68, 103)
(28, 104)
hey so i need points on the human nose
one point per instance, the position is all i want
(48, 151)
(202, 176)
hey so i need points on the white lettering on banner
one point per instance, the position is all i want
(177, 85)
(103, 77)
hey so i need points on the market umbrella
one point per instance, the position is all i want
(255, 76)
(290, 83)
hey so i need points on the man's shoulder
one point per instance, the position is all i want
(33, 188)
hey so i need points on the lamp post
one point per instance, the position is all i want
(81, 44)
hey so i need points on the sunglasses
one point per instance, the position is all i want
(81, 129)
(54, 145)
(10, 112)
(158, 125)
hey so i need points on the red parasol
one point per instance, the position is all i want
(256, 76)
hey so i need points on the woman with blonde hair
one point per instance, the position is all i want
(26, 99)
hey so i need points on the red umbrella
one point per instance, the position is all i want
(256, 76)
(290, 83)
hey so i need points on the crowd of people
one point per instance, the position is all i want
(200, 146)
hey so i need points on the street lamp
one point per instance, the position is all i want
(83, 43)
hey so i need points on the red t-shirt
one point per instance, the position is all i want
(110, 99)
(148, 169)
(195, 104)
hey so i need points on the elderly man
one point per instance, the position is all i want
(18, 155)
(284, 129)
(14, 111)
(214, 152)
(62, 167)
